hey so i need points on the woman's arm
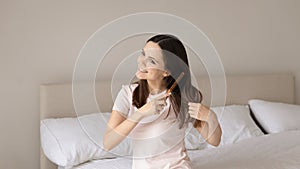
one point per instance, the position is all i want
(210, 128)
(118, 128)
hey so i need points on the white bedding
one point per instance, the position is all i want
(273, 151)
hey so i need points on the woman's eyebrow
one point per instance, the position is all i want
(152, 58)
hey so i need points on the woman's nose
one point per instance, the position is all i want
(141, 62)
(141, 66)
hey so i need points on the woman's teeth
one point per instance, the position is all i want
(143, 71)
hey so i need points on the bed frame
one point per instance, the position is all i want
(56, 99)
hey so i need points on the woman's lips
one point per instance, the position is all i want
(141, 74)
(143, 71)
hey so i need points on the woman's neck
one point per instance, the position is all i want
(156, 86)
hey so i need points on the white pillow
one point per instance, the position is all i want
(236, 124)
(65, 142)
(276, 117)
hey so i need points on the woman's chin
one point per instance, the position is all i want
(141, 76)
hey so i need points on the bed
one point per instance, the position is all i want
(278, 149)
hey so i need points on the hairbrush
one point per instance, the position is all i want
(175, 83)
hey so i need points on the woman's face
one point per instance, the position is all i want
(151, 64)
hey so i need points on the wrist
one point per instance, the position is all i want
(136, 117)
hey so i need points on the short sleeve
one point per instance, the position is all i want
(122, 102)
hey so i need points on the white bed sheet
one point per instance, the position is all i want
(273, 151)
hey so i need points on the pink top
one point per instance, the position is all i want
(158, 143)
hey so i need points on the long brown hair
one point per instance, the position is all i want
(184, 91)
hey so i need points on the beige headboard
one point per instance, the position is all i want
(56, 99)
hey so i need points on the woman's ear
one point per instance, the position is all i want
(165, 74)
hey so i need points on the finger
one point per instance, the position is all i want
(197, 105)
(160, 102)
(192, 114)
(195, 113)
(161, 106)
(194, 104)
(194, 108)
(160, 97)
(191, 103)
(163, 96)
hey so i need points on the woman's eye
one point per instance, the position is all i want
(152, 61)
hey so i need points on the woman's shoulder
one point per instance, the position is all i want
(129, 88)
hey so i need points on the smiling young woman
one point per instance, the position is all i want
(156, 119)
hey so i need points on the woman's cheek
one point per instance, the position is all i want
(155, 75)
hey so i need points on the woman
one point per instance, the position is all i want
(154, 117)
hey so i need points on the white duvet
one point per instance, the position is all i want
(273, 151)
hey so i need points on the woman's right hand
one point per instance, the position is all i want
(154, 106)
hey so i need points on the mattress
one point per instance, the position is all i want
(273, 151)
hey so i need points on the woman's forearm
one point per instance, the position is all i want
(120, 128)
(211, 130)
(214, 133)
(115, 136)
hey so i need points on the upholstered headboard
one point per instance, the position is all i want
(56, 99)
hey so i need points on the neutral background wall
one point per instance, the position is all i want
(40, 41)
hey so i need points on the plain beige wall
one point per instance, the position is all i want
(40, 41)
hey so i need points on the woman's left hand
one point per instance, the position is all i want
(198, 111)
(211, 130)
